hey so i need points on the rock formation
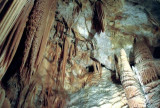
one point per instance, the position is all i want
(131, 86)
(79, 54)
(147, 74)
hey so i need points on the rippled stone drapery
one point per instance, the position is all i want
(147, 70)
(157, 64)
(147, 74)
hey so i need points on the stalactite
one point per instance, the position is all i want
(34, 22)
(98, 18)
(10, 18)
(30, 96)
(71, 52)
(50, 20)
(3, 4)
(131, 86)
(52, 92)
(14, 37)
(38, 37)
(22, 96)
(59, 29)
(35, 38)
(49, 70)
(37, 34)
(65, 57)
(117, 66)
(27, 96)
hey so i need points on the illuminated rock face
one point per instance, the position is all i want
(77, 54)
(105, 94)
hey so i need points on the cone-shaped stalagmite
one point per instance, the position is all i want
(131, 86)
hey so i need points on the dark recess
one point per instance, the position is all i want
(5, 9)
(156, 53)
(115, 79)
(90, 68)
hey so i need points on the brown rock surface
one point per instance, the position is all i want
(67, 53)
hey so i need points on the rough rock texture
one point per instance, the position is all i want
(105, 94)
(67, 53)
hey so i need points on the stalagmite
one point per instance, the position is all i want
(131, 86)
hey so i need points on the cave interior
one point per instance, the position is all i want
(79, 53)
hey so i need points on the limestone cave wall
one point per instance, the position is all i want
(79, 53)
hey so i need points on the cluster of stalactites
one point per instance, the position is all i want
(25, 27)
(12, 24)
